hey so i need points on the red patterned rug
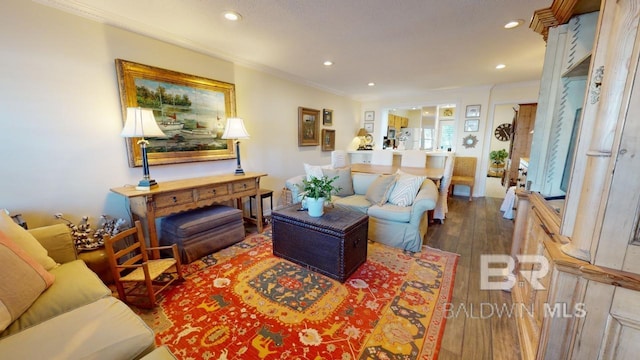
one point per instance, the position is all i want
(245, 303)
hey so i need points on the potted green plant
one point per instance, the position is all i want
(497, 158)
(316, 191)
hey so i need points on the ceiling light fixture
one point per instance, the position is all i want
(371, 84)
(327, 63)
(232, 16)
(513, 24)
(501, 66)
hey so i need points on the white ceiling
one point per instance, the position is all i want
(407, 47)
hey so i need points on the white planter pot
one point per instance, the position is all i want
(315, 207)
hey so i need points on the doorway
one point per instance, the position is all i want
(502, 114)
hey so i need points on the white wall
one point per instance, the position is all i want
(61, 117)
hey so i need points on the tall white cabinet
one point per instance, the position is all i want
(589, 304)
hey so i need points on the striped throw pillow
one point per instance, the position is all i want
(406, 189)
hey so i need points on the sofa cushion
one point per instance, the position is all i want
(22, 280)
(362, 181)
(75, 286)
(315, 170)
(104, 329)
(25, 240)
(353, 202)
(391, 212)
(344, 181)
(57, 240)
(405, 189)
(378, 192)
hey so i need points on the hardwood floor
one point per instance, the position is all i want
(473, 328)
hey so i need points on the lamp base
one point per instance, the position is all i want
(239, 171)
(146, 184)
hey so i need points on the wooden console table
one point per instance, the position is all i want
(172, 197)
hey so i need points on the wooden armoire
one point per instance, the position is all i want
(580, 221)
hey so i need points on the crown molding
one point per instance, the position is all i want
(559, 13)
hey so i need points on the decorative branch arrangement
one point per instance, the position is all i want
(86, 239)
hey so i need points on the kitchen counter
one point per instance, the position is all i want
(399, 152)
(435, 159)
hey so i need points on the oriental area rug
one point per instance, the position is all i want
(245, 303)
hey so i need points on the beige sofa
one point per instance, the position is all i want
(395, 225)
(76, 317)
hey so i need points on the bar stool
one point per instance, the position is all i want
(264, 193)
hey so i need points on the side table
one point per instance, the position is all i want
(98, 262)
(264, 194)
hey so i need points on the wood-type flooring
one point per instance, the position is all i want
(474, 329)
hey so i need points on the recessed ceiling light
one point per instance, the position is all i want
(327, 63)
(371, 84)
(232, 16)
(513, 24)
(501, 66)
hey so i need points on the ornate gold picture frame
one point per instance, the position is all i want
(192, 111)
(308, 127)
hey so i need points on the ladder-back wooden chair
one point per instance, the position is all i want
(464, 173)
(134, 274)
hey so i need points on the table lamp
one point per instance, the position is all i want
(141, 123)
(361, 134)
(235, 130)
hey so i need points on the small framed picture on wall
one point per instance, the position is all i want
(473, 111)
(327, 117)
(471, 125)
(368, 127)
(369, 116)
(328, 140)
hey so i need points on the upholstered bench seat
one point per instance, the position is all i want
(201, 232)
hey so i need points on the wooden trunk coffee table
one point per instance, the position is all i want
(334, 244)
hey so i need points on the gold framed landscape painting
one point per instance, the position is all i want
(191, 110)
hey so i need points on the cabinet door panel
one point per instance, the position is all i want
(622, 335)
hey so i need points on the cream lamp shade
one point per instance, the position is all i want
(141, 123)
(235, 130)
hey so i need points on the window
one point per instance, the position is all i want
(427, 139)
(447, 130)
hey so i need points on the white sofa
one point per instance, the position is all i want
(75, 317)
(402, 227)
